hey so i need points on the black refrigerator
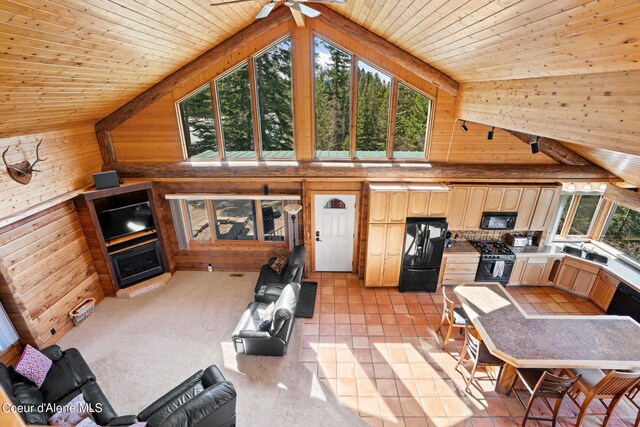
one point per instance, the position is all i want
(423, 249)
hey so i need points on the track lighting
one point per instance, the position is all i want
(535, 146)
(463, 126)
(571, 187)
(603, 186)
(490, 133)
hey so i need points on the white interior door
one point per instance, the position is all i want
(334, 221)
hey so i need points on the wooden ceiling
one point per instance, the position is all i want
(74, 61)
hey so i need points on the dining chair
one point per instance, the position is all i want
(479, 355)
(631, 395)
(541, 383)
(453, 316)
(595, 384)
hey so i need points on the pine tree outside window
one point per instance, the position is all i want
(234, 100)
(198, 124)
(332, 76)
(372, 117)
(275, 100)
(413, 114)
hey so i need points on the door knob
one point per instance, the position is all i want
(318, 236)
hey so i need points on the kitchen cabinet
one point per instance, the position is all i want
(457, 269)
(534, 272)
(418, 205)
(544, 210)
(388, 206)
(438, 204)
(577, 276)
(516, 272)
(526, 206)
(531, 270)
(475, 205)
(510, 199)
(493, 201)
(603, 289)
(384, 254)
(393, 250)
(457, 207)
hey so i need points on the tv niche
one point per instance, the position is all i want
(132, 243)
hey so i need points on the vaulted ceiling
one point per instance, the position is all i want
(72, 61)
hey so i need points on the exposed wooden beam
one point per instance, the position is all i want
(623, 196)
(204, 61)
(106, 146)
(344, 25)
(356, 171)
(298, 17)
(552, 148)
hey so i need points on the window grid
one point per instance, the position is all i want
(573, 202)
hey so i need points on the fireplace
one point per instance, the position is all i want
(137, 264)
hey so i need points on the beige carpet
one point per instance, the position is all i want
(140, 348)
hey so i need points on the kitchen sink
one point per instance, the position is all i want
(588, 255)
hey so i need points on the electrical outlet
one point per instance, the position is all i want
(209, 268)
(53, 331)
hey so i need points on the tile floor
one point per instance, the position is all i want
(377, 349)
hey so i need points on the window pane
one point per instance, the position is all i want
(584, 215)
(412, 119)
(623, 231)
(372, 117)
(273, 220)
(235, 219)
(273, 79)
(198, 220)
(235, 113)
(332, 99)
(198, 125)
(565, 209)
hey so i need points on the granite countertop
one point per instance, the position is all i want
(461, 247)
(549, 341)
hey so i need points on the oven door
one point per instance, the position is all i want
(490, 271)
(498, 221)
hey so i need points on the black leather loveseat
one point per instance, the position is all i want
(270, 284)
(249, 339)
(205, 399)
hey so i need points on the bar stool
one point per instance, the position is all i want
(543, 384)
(595, 384)
(479, 355)
(454, 316)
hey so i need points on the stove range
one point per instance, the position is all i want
(493, 250)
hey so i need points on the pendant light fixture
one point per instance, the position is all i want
(490, 133)
(463, 126)
(535, 146)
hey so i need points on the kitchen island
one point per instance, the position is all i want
(547, 341)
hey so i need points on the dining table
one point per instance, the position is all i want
(525, 340)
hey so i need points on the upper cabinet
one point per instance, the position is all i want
(475, 207)
(387, 206)
(427, 204)
(458, 207)
(438, 204)
(545, 208)
(397, 210)
(527, 204)
(493, 202)
(510, 199)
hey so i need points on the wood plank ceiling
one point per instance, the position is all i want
(70, 61)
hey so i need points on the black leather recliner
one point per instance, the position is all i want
(69, 376)
(270, 284)
(249, 339)
(205, 399)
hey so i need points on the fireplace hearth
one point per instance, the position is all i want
(137, 264)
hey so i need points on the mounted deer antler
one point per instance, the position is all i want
(22, 172)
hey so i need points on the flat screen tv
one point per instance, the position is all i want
(126, 220)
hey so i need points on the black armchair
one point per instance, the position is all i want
(249, 339)
(205, 399)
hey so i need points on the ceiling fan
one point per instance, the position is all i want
(297, 5)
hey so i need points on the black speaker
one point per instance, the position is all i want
(107, 179)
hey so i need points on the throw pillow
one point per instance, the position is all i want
(267, 317)
(279, 264)
(72, 413)
(33, 365)
(87, 422)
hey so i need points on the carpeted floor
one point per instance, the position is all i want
(141, 348)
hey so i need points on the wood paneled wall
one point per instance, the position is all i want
(45, 270)
(235, 255)
(72, 155)
(597, 110)
(153, 134)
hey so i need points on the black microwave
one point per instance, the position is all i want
(498, 220)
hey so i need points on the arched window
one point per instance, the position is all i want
(335, 204)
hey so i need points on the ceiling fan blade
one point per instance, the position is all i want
(305, 10)
(223, 3)
(266, 9)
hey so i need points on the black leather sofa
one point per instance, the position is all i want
(270, 284)
(205, 399)
(249, 339)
